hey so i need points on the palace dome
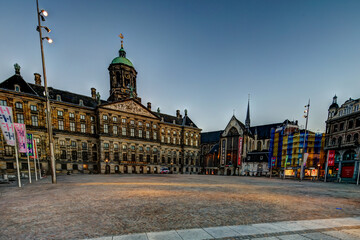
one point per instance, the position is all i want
(122, 59)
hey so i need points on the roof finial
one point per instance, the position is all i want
(17, 68)
(122, 37)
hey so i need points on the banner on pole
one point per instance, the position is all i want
(30, 145)
(223, 152)
(306, 155)
(21, 136)
(7, 127)
(273, 160)
(331, 159)
(35, 149)
(240, 151)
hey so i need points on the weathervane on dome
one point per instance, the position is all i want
(122, 37)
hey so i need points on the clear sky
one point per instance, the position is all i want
(205, 56)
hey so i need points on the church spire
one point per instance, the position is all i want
(247, 121)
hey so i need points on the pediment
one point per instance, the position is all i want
(234, 123)
(130, 106)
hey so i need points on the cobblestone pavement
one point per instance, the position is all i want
(90, 206)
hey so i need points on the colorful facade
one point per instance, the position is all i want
(286, 151)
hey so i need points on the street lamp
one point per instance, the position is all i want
(304, 149)
(41, 15)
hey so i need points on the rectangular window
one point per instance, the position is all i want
(116, 146)
(18, 105)
(73, 143)
(168, 140)
(162, 139)
(132, 132)
(106, 146)
(174, 140)
(34, 121)
(8, 151)
(9, 165)
(71, 115)
(124, 157)
(132, 122)
(123, 131)
(105, 117)
(63, 154)
(74, 155)
(92, 129)
(3, 103)
(83, 128)
(20, 117)
(115, 130)
(133, 157)
(82, 117)
(62, 143)
(154, 135)
(72, 126)
(140, 133)
(92, 118)
(147, 134)
(116, 156)
(61, 125)
(141, 158)
(33, 108)
(60, 113)
(114, 119)
(123, 120)
(106, 128)
(147, 125)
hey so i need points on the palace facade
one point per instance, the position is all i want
(342, 136)
(117, 135)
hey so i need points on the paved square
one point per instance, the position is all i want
(91, 206)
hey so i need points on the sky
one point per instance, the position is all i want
(203, 56)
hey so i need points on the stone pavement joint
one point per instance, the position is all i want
(326, 229)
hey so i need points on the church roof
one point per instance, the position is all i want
(211, 137)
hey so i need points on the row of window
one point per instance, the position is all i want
(349, 138)
(350, 125)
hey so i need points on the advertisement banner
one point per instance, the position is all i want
(30, 146)
(273, 160)
(240, 151)
(306, 155)
(35, 149)
(21, 136)
(223, 152)
(7, 127)
(331, 158)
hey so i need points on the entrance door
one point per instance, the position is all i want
(116, 169)
(107, 169)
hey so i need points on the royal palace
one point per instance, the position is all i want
(91, 135)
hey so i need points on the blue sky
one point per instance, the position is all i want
(205, 56)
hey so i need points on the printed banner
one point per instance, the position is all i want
(273, 160)
(30, 146)
(7, 127)
(305, 158)
(223, 152)
(21, 136)
(35, 149)
(240, 151)
(331, 158)
(286, 160)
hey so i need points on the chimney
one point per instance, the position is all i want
(37, 79)
(149, 106)
(178, 114)
(93, 93)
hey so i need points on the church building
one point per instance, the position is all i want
(117, 135)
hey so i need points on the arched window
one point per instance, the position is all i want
(258, 147)
(351, 124)
(339, 140)
(348, 138)
(349, 155)
(333, 141)
(356, 136)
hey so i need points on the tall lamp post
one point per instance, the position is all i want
(41, 14)
(304, 149)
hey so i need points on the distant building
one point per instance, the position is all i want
(119, 135)
(239, 149)
(286, 151)
(342, 137)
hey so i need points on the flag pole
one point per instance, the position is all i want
(36, 155)
(33, 151)
(28, 160)
(326, 165)
(17, 159)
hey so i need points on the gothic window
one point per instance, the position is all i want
(258, 147)
(333, 141)
(348, 138)
(233, 132)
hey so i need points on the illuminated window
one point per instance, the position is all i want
(18, 105)
(114, 119)
(132, 122)
(82, 117)
(20, 118)
(33, 108)
(72, 126)
(105, 117)
(71, 115)
(34, 121)
(60, 113)
(123, 120)
(115, 130)
(61, 125)
(82, 128)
